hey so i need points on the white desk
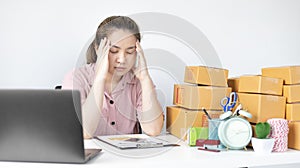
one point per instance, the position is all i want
(170, 157)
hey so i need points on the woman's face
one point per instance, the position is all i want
(122, 53)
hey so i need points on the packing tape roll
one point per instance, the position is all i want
(279, 131)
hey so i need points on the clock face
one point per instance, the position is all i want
(235, 133)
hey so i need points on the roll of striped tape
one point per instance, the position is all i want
(279, 131)
(279, 127)
(281, 144)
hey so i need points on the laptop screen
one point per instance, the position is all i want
(41, 126)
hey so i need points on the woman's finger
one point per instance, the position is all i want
(140, 54)
(106, 48)
(102, 42)
(138, 47)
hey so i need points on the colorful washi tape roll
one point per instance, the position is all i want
(279, 131)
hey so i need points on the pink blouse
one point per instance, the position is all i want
(121, 109)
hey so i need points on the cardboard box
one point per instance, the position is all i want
(234, 84)
(262, 107)
(292, 112)
(179, 120)
(196, 97)
(260, 84)
(292, 93)
(290, 74)
(253, 130)
(294, 135)
(206, 76)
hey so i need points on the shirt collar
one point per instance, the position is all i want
(128, 78)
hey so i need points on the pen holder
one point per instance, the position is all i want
(213, 126)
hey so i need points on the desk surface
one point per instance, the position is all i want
(180, 156)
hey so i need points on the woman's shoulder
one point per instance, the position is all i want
(78, 75)
(86, 67)
(85, 73)
(85, 70)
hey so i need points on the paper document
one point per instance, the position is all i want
(133, 141)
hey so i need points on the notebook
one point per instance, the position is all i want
(134, 141)
(42, 126)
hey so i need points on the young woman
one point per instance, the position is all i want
(116, 89)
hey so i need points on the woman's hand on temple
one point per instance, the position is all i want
(140, 70)
(102, 63)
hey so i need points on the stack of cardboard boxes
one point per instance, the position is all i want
(207, 87)
(291, 91)
(261, 96)
(274, 94)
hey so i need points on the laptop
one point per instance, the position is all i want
(42, 126)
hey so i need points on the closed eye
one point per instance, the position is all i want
(112, 51)
(132, 52)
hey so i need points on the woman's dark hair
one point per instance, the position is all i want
(108, 26)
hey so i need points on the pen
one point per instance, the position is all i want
(206, 113)
(210, 150)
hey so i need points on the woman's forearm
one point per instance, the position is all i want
(152, 114)
(92, 108)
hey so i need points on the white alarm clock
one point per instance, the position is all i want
(235, 133)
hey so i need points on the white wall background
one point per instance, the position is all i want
(40, 41)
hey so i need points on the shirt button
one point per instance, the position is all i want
(113, 123)
(111, 102)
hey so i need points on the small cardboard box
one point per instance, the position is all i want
(260, 84)
(196, 97)
(290, 74)
(262, 107)
(294, 135)
(206, 75)
(234, 84)
(292, 112)
(179, 120)
(292, 93)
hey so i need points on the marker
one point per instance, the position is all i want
(206, 113)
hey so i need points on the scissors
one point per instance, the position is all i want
(229, 102)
